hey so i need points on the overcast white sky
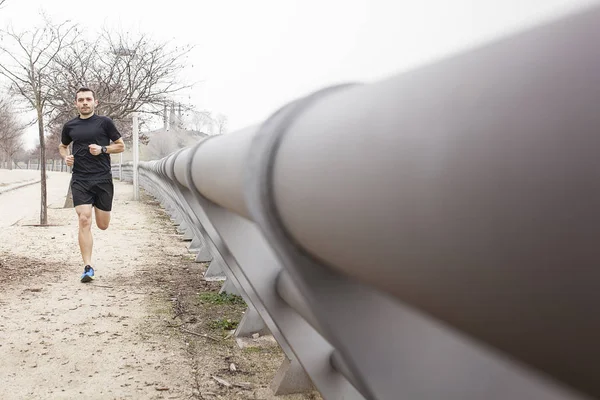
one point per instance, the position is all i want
(254, 56)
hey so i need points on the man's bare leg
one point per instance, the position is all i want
(84, 212)
(102, 218)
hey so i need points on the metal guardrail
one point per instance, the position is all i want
(429, 236)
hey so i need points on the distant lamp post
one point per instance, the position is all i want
(124, 52)
(136, 157)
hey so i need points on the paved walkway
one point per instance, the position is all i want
(20, 193)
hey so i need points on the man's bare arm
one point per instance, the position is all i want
(64, 153)
(63, 150)
(118, 146)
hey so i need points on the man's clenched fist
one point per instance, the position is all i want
(95, 149)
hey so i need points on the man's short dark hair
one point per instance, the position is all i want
(84, 89)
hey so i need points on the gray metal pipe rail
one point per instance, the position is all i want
(434, 232)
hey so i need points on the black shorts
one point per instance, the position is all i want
(97, 193)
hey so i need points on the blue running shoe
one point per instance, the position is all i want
(88, 274)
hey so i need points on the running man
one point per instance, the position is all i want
(91, 181)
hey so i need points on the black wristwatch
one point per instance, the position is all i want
(104, 150)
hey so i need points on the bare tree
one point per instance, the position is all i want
(11, 133)
(221, 122)
(32, 54)
(22, 156)
(128, 73)
(51, 142)
(201, 121)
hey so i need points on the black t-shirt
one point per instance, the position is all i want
(98, 130)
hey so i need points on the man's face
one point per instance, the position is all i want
(85, 103)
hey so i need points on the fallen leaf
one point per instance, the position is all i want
(222, 381)
(244, 385)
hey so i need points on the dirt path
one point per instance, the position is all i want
(62, 339)
(127, 334)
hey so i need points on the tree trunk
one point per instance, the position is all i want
(44, 200)
(69, 199)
